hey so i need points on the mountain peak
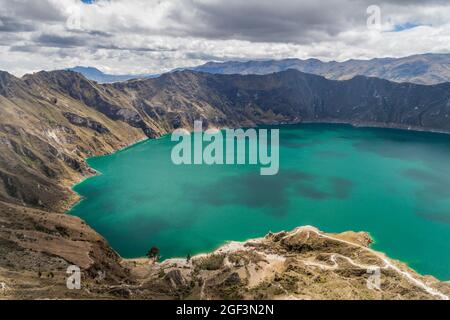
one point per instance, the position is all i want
(6, 76)
(81, 69)
(7, 83)
(54, 74)
(99, 76)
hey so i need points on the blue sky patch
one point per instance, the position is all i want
(405, 26)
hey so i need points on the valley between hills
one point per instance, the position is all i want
(50, 122)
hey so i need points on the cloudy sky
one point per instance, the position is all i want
(141, 36)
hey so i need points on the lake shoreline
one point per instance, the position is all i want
(271, 248)
(283, 125)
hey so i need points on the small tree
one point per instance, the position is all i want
(188, 257)
(153, 254)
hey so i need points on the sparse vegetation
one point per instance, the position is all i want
(211, 262)
(153, 254)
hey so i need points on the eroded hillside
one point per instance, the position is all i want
(302, 264)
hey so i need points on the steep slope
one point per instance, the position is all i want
(51, 121)
(292, 96)
(37, 247)
(420, 69)
(47, 130)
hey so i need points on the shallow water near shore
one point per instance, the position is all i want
(394, 184)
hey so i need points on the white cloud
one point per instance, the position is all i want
(137, 36)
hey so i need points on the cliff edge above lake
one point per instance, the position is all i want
(301, 264)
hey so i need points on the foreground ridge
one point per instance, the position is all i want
(301, 264)
(388, 264)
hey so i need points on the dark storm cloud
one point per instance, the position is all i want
(42, 10)
(50, 40)
(95, 33)
(139, 49)
(260, 21)
(203, 56)
(23, 48)
(6, 38)
(279, 21)
(8, 24)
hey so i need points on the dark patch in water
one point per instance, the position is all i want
(108, 206)
(293, 144)
(142, 225)
(142, 198)
(435, 185)
(341, 187)
(252, 190)
(298, 140)
(301, 176)
(435, 188)
(292, 136)
(138, 227)
(311, 192)
(89, 192)
(331, 154)
(439, 217)
(381, 149)
(421, 175)
(404, 145)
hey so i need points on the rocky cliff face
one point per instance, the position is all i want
(50, 122)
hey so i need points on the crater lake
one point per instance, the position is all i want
(391, 183)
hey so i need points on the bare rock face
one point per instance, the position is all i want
(175, 278)
(85, 122)
(232, 280)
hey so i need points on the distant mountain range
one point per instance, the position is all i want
(420, 69)
(100, 77)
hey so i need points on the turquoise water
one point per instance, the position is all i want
(394, 184)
